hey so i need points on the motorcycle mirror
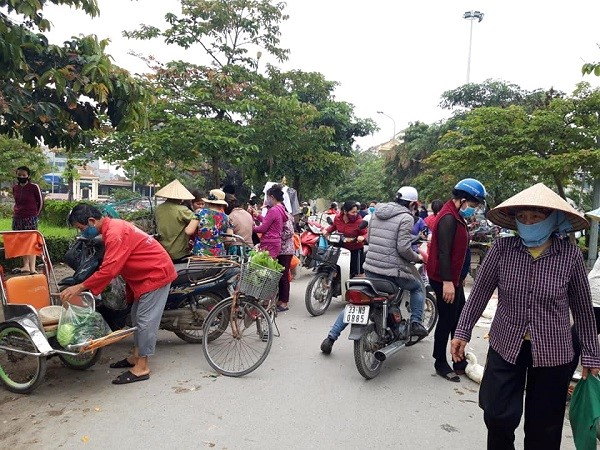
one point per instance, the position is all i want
(329, 220)
(363, 224)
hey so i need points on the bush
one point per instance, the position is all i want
(6, 209)
(56, 211)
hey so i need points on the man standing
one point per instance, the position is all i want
(147, 270)
(28, 206)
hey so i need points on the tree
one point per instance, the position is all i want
(58, 94)
(15, 153)
(365, 182)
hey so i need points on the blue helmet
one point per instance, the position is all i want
(472, 187)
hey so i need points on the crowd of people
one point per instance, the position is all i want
(539, 275)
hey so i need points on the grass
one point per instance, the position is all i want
(46, 230)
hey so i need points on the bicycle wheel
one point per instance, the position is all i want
(19, 372)
(430, 312)
(245, 341)
(318, 294)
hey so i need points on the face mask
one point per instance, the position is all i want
(89, 232)
(467, 212)
(22, 180)
(371, 209)
(536, 234)
(352, 218)
(268, 202)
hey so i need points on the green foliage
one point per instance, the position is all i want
(365, 182)
(56, 212)
(45, 89)
(57, 247)
(15, 153)
(124, 194)
(6, 210)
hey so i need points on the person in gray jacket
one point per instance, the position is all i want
(391, 257)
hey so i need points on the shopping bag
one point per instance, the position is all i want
(584, 412)
(114, 296)
(79, 324)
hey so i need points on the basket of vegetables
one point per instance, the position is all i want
(259, 277)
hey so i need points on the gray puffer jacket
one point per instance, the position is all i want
(390, 237)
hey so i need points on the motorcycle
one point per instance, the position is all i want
(311, 231)
(198, 288)
(328, 282)
(378, 328)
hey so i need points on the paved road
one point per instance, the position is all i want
(297, 399)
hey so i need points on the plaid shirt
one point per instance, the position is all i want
(534, 296)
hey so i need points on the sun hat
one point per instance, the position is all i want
(536, 196)
(216, 197)
(175, 190)
(595, 214)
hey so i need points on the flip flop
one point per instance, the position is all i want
(17, 271)
(123, 364)
(128, 377)
(450, 376)
(282, 308)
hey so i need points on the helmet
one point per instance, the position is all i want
(407, 193)
(472, 187)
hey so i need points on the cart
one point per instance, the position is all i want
(31, 307)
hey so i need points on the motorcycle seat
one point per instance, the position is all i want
(381, 286)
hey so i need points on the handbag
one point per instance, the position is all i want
(584, 412)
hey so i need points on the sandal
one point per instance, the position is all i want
(450, 376)
(282, 308)
(123, 364)
(18, 270)
(128, 377)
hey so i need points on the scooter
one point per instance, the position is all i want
(378, 328)
(198, 288)
(309, 241)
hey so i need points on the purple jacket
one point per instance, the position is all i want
(271, 229)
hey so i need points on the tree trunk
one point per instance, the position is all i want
(215, 172)
(559, 187)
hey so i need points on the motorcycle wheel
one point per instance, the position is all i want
(204, 305)
(319, 293)
(477, 255)
(430, 312)
(19, 372)
(364, 353)
(234, 355)
(81, 362)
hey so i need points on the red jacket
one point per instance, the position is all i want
(437, 263)
(142, 262)
(350, 230)
(28, 200)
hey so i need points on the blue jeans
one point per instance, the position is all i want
(417, 300)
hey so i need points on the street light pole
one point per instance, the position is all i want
(471, 15)
(393, 121)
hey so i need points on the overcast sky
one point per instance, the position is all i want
(390, 55)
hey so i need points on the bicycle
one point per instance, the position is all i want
(242, 326)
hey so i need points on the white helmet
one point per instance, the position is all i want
(407, 193)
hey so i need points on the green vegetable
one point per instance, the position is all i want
(65, 334)
(262, 258)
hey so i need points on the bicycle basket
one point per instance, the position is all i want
(258, 281)
(330, 255)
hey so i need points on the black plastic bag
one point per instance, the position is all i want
(84, 257)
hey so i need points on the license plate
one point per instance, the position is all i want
(356, 314)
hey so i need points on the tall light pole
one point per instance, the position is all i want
(393, 121)
(472, 16)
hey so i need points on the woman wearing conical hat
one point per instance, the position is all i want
(172, 217)
(540, 277)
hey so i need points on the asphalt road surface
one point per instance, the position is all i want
(299, 398)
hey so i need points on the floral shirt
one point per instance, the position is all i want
(212, 225)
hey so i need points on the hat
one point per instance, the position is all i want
(537, 196)
(595, 214)
(216, 197)
(175, 190)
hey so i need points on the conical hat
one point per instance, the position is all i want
(595, 214)
(175, 190)
(537, 196)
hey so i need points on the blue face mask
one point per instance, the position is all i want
(536, 234)
(371, 209)
(89, 232)
(467, 212)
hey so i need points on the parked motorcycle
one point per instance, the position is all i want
(378, 328)
(311, 231)
(198, 288)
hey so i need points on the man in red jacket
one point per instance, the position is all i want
(447, 252)
(147, 270)
(28, 205)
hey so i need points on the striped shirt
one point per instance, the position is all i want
(534, 296)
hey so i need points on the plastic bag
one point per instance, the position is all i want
(84, 256)
(79, 324)
(584, 412)
(114, 296)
